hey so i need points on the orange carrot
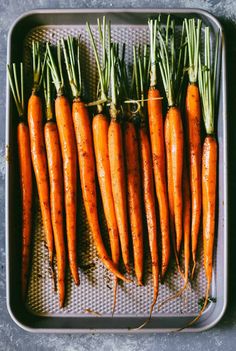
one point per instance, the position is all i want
(207, 88)
(25, 169)
(56, 200)
(176, 140)
(56, 187)
(68, 150)
(26, 196)
(149, 203)
(172, 72)
(38, 155)
(209, 178)
(100, 138)
(134, 196)
(186, 222)
(193, 117)
(156, 129)
(158, 155)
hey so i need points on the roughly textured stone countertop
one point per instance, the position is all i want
(221, 337)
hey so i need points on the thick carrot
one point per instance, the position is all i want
(68, 149)
(56, 200)
(26, 199)
(87, 178)
(158, 155)
(150, 208)
(176, 140)
(193, 118)
(134, 196)
(100, 139)
(39, 161)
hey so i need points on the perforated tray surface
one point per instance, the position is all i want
(95, 293)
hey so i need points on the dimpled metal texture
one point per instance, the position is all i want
(95, 293)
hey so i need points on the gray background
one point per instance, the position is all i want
(223, 336)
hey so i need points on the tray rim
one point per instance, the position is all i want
(197, 11)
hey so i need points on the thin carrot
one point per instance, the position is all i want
(158, 150)
(68, 149)
(38, 150)
(25, 167)
(141, 79)
(53, 150)
(207, 88)
(134, 195)
(83, 134)
(193, 116)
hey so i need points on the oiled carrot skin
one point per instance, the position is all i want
(177, 143)
(186, 220)
(118, 182)
(56, 200)
(87, 177)
(149, 203)
(209, 179)
(193, 116)
(159, 166)
(25, 167)
(169, 178)
(39, 161)
(69, 157)
(100, 137)
(134, 196)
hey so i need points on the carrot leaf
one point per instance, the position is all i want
(17, 90)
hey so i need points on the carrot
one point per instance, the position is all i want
(38, 150)
(193, 116)
(134, 195)
(25, 168)
(56, 188)
(207, 88)
(149, 203)
(186, 222)
(87, 164)
(68, 149)
(172, 72)
(141, 78)
(176, 141)
(158, 151)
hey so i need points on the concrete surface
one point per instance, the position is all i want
(223, 336)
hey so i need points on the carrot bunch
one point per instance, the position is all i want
(157, 165)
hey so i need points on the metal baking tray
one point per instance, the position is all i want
(41, 312)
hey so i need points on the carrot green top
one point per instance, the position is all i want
(17, 91)
(207, 82)
(193, 31)
(47, 83)
(72, 60)
(103, 65)
(38, 66)
(56, 69)
(172, 65)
